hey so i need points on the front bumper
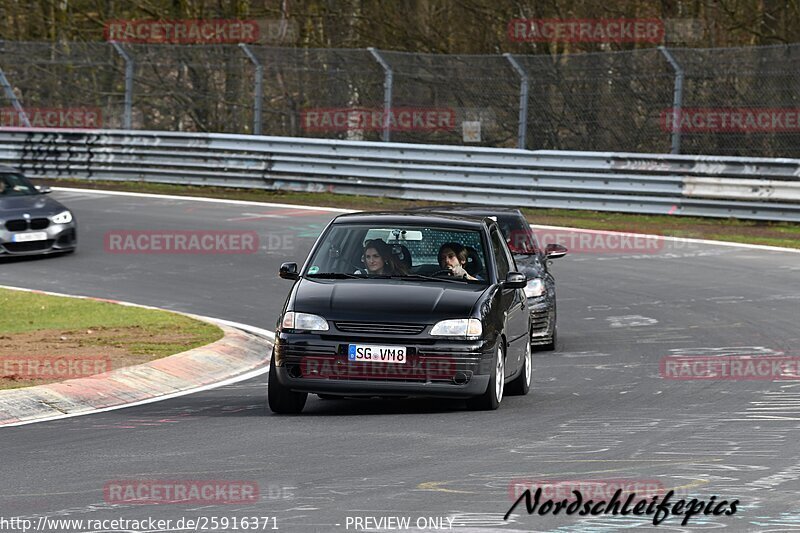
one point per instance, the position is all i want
(543, 321)
(60, 238)
(434, 368)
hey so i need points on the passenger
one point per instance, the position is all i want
(380, 261)
(453, 256)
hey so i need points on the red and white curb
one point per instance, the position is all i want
(242, 354)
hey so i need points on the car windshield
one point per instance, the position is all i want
(518, 234)
(16, 185)
(405, 252)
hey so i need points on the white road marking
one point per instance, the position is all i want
(630, 321)
(201, 199)
(252, 216)
(725, 350)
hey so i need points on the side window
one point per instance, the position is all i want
(503, 266)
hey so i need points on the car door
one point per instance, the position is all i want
(514, 306)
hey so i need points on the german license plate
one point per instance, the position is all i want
(28, 237)
(377, 353)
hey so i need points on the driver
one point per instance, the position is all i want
(453, 256)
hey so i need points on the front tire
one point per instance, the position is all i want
(490, 400)
(522, 383)
(282, 400)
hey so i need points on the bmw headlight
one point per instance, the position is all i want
(534, 288)
(304, 321)
(65, 217)
(458, 327)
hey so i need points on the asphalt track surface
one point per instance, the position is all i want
(598, 409)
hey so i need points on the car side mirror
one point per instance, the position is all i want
(43, 189)
(515, 280)
(554, 251)
(289, 271)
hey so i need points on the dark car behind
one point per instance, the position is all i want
(531, 259)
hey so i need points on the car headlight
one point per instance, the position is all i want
(534, 288)
(65, 217)
(304, 321)
(458, 327)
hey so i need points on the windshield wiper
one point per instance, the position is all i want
(335, 275)
(422, 277)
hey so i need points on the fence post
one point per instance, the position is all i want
(677, 100)
(127, 120)
(523, 100)
(259, 88)
(23, 117)
(388, 81)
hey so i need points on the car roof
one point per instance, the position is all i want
(474, 210)
(408, 217)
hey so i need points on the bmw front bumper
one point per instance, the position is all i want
(59, 238)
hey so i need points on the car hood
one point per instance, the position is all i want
(36, 205)
(530, 265)
(386, 300)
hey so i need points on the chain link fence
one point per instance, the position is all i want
(742, 101)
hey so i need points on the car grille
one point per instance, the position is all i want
(39, 223)
(540, 320)
(383, 328)
(24, 225)
(22, 247)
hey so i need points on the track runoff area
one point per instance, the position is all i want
(659, 387)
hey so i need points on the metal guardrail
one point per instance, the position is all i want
(748, 188)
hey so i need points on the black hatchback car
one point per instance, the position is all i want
(416, 326)
(531, 259)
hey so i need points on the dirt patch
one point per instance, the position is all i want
(46, 356)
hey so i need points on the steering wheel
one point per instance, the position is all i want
(443, 271)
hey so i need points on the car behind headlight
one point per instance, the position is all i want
(304, 321)
(534, 288)
(465, 328)
(65, 217)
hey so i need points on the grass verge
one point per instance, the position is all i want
(38, 333)
(784, 234)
